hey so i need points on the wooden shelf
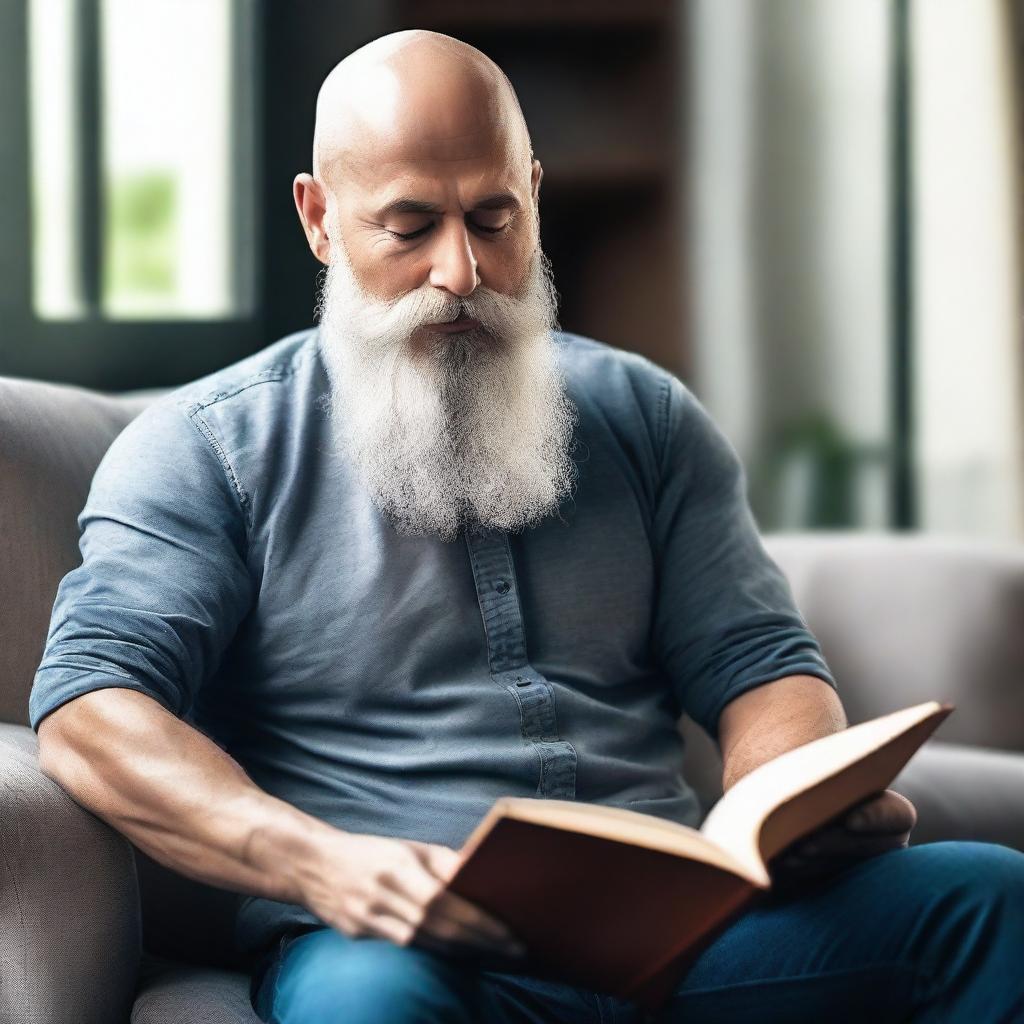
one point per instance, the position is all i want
(614, 172)
(531, 15)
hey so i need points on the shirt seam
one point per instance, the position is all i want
(664, 402)
(194, 413)
(245, 505)
(271, 374)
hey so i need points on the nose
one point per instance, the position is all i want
(453, 263)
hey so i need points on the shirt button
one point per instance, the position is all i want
(520, 681)
(502, 586)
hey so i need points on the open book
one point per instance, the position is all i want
(620, 902)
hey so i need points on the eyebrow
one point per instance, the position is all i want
(406, 204)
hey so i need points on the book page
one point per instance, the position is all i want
(798, 791)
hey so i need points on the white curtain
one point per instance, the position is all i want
(967, 268)
(789, 224)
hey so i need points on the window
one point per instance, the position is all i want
(142, 164)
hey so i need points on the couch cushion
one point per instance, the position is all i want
(171, 993)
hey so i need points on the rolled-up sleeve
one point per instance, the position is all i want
(725, 619)
(163, 581)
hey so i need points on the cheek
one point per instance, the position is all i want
(504, 268)
(388, 279)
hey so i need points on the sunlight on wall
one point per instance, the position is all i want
(56, 199)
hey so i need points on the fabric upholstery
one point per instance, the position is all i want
(963, 792)
(908, 618)
(52, 437)
(69, 912)
(170, 993)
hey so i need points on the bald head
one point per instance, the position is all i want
(410, 96)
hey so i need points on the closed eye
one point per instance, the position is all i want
(422, 231)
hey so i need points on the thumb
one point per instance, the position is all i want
(888, 812)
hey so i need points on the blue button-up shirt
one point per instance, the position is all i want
(236, 571)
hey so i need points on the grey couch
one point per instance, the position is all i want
(94, 932)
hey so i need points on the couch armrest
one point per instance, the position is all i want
(965, 792)
(70, 935)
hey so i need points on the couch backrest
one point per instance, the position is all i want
(904, 618)
(52, 437)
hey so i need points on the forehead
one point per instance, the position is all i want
(471, 166)
(441, 128)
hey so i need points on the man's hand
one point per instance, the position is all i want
(882, 822)
(366, 885)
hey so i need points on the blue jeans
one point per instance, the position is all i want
(925, 933)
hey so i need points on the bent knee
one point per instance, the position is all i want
(974, 866)
(329, 977)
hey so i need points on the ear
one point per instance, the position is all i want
(311, 204)
(536, 173)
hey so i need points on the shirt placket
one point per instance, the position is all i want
(498, 595)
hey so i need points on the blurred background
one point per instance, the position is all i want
(808, 209)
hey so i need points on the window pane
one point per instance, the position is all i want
(167, 157)
(57, 285)
(157, 153)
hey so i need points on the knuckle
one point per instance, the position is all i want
(375, 907)
(363, 912)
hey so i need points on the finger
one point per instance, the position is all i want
(495, 959)
(445, 862)
(842, 843)
(457, 908)
(412, 881)
(436, 921)
(888, 812)
(831, 861)
(450, 930)
(441, 861)
(394, 928)
(424, 890)
(452, 919)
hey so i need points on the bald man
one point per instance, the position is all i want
(338, 598)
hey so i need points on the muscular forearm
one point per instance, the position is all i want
(184, 801)
(771, 719)
(178, 796)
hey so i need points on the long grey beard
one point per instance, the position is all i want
(476, 431)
